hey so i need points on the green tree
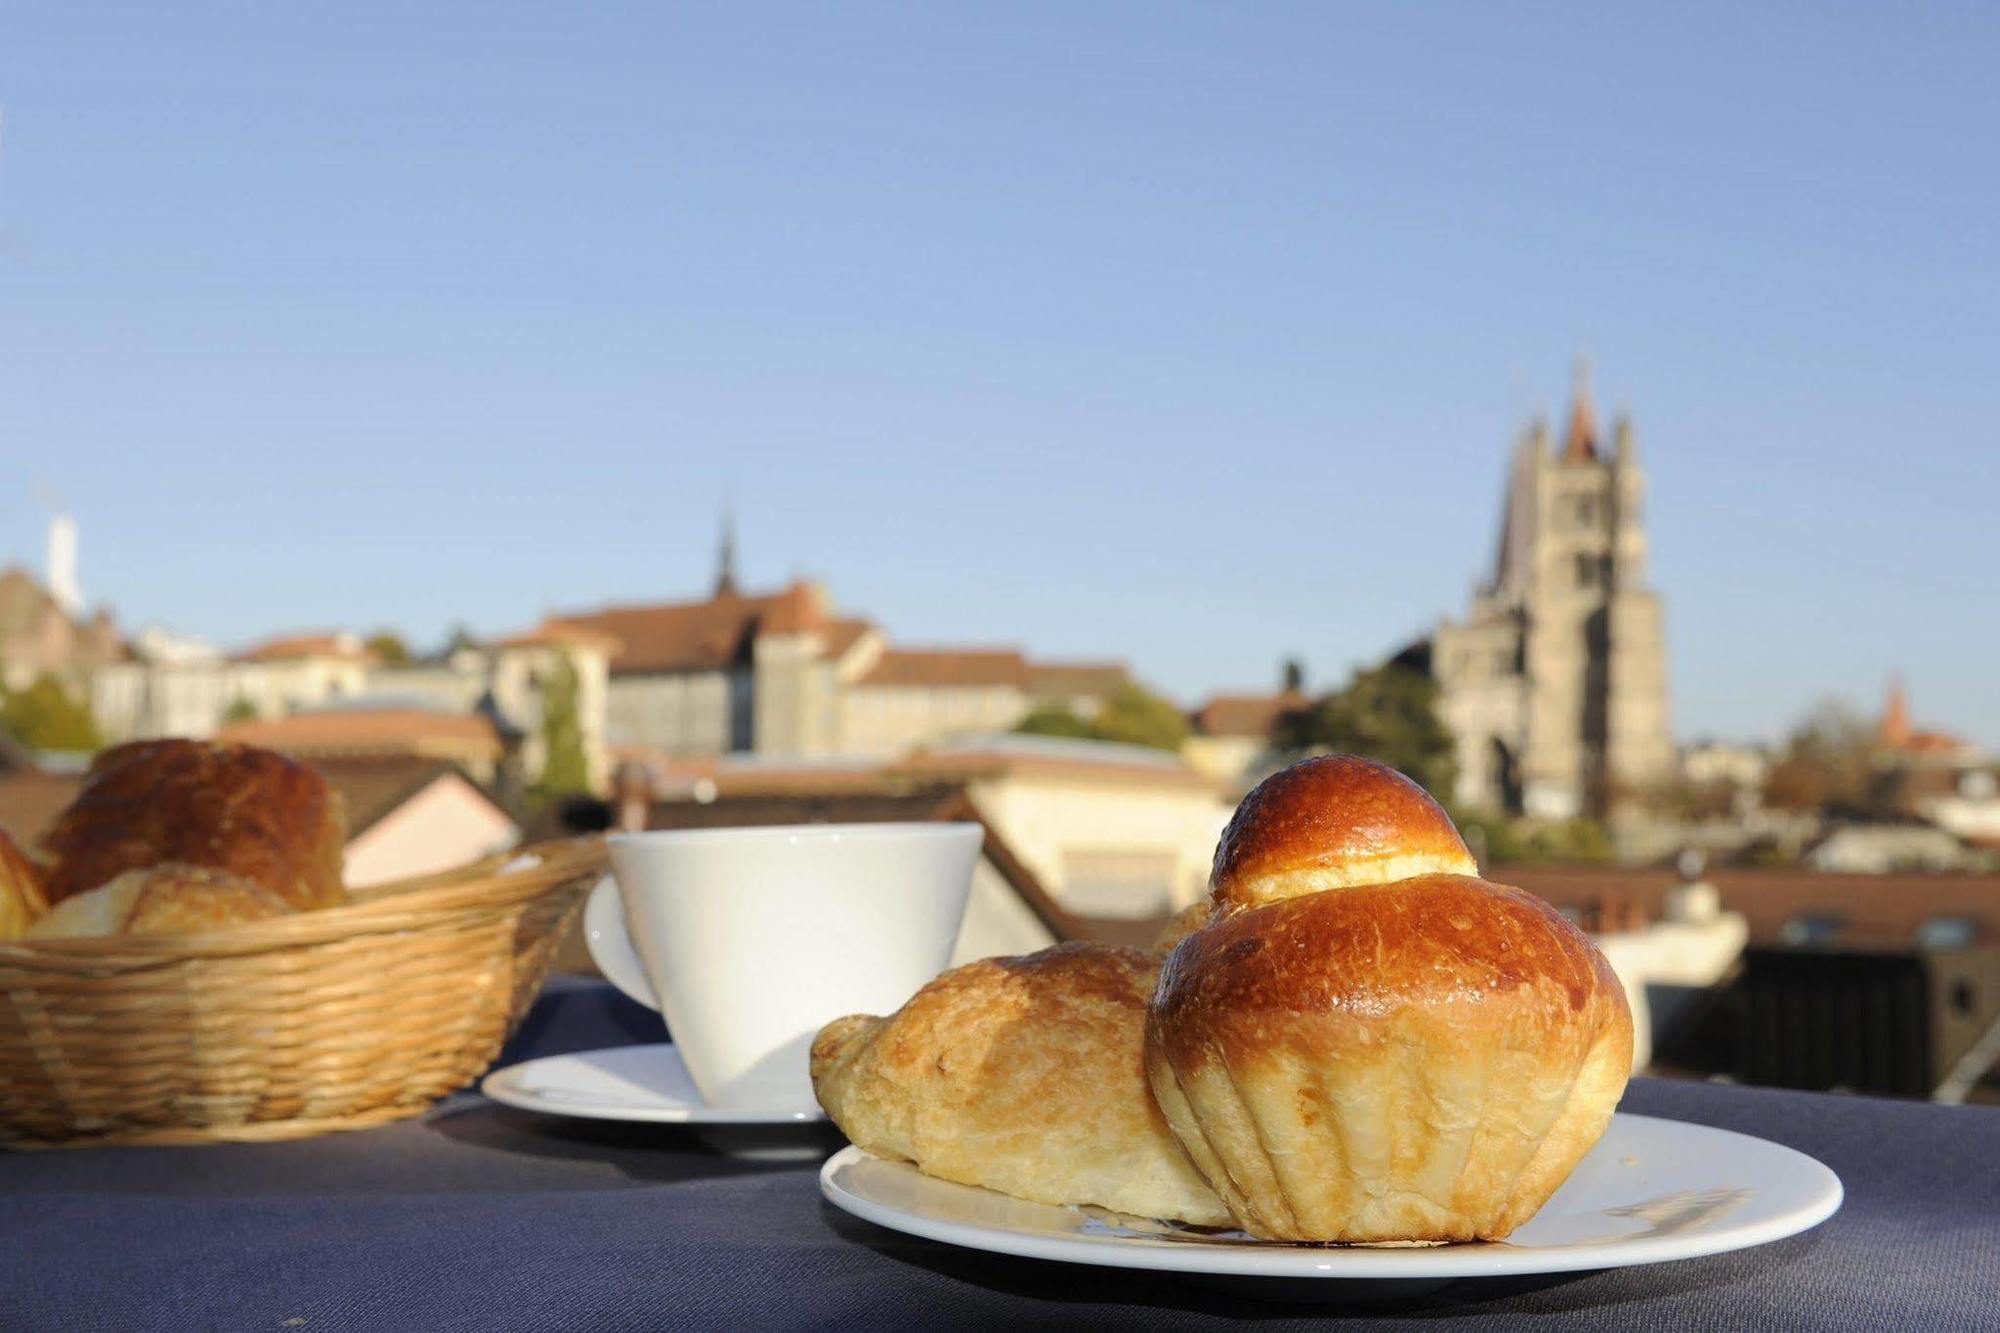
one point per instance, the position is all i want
(1055, 720)
(1136, 716)
(565, 770)
(1293, 674)
(240, 710)
(1388, 714)
(458, 639)
(389, 648)
(44, 717)
(1828, 763)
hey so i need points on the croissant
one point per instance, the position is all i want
(1024, 1075)
(1366, 1042)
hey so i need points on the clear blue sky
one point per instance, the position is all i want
(1194, 336)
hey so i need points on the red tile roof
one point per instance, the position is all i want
(325, 643)
(950, 667)
(1074, 678)
(1246, 714)
(558, 632)
(707, 635)
(842, 635)
(370, 731)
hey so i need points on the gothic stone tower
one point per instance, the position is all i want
(1555, 685)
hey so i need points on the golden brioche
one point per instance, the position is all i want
(234, 808)
(170, 899)
(1355, 1050)
(1024, 1075)
(1328, 823)
(22, 897)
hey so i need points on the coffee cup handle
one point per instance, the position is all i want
(610, 944)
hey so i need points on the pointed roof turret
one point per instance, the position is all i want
(1895, 730)
(725, 554)
(1580, 440)
(1624, 440)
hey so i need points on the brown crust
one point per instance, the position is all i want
(233, 808)
(1331, 822)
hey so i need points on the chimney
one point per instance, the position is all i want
(62, 565)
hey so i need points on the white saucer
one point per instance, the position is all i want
(1650, 1191)
(648, 1084)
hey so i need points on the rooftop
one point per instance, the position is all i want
(710, 634)
(368, 729)
(1252, 715)
(291, 647)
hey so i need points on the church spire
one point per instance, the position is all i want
(725, 554)
(1580, 441)
(1894, 730)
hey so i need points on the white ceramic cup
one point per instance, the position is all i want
(750, 940)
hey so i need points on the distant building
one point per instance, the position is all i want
(1936, 776)
(43, 628)
(1901, 743)
(1555, 683)
(39, 637)
(1886, 848)
(782, 673)
(1873, 983)
(1230, 733)
(327, 686)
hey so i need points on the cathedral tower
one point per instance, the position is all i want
(1555, 685)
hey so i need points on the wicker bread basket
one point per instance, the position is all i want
(286, 1027)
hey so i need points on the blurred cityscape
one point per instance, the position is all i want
(1819, 913)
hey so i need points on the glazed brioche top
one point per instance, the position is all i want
(1334, 822)
(233, 808)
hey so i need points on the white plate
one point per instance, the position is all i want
(1651, 1190)
(640, 1083)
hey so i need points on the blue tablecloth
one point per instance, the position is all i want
(477, 1217)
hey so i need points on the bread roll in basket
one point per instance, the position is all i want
(1366, 1041)
(190, 969)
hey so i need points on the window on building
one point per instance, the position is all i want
(1586, 510)
(1586, 571)
(1813, 928)
(1946, 932)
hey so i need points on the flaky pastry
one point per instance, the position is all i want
(1024, 1075)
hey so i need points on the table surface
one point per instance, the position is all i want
(479, 1217)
